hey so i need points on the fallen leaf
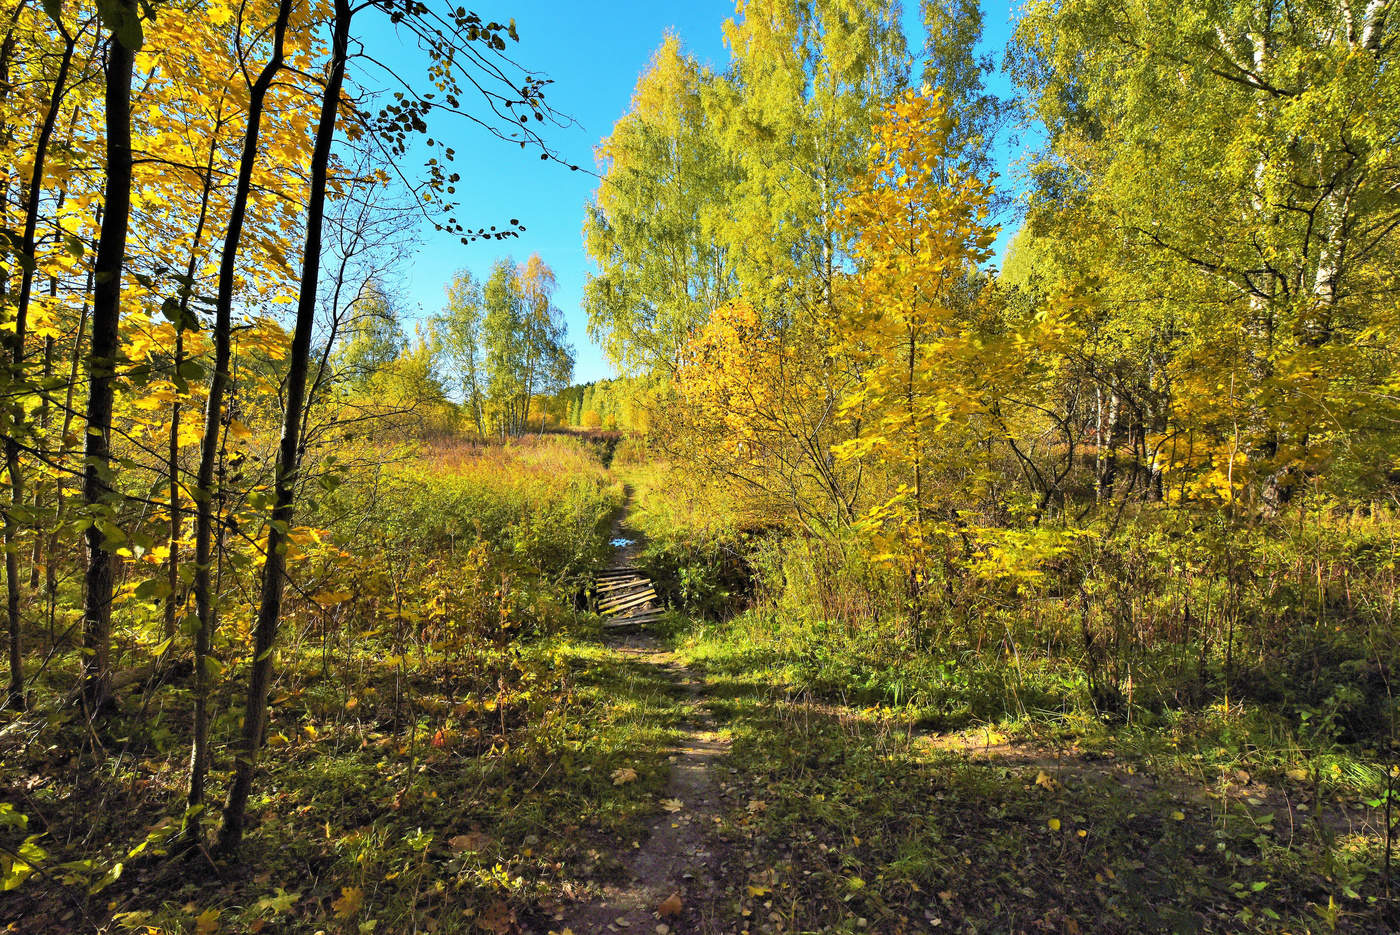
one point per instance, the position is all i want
(207, 922)
(672, 805)
(351, 898)
(280, 902)
(1178, 816)
(1046, 781)
(623, 775)
(498, 918)
(757, 805)
(1054, 824)
(670, 906)
(471, 841)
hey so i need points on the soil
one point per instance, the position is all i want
(669, 880)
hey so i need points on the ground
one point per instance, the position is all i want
(784, 812)
(661, 779)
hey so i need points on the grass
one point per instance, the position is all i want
(448, 729)
(857, 820)
(966, 777)
(431, 813)
(443, 734)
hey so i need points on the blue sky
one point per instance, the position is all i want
(594, 53)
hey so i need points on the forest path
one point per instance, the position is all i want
(668, 882)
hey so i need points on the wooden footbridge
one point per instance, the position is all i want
(626, 596)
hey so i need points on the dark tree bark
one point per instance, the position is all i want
(288, 451)
(183, 319)
(98, 493)
(15, 695)
(213, 414)
(15, 342)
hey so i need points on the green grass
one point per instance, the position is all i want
(448, 689)
(447, 727)
(432, 810)
(855, 822)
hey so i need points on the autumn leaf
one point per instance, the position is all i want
(498, 918)
(471, 841)
(672, 805)
(351, 898)
(281, 901)
(207, 922)
(1046, 781)
(325, 598)
(670, 906)
(624, 775)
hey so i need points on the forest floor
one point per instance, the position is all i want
(672, 780)
(785, 812)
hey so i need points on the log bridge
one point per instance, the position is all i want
(625, 596)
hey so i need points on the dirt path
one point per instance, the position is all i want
(669, 881)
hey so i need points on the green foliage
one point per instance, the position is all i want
(722, 184)
(373, 339)
(1208, 177)
(460, 328)
(651, 227)
(424, 624)
(624, 404)
(507, 341)
(545, 503)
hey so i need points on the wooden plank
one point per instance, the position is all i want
(613, 574)
(630, 623)
(627, 583)
(649, 616)
(621, 590)
(626, 623)
(613, 603)
(628, 604)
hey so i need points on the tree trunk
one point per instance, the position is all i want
(16, 341)
(288, 452)
(64, 449)
(36, 553)
(15, 696)
(173, 454)
(102, 360)
(209, 443)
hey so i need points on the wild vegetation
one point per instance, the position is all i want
(1050, 591)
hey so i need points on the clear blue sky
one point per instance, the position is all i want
(594, 52)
